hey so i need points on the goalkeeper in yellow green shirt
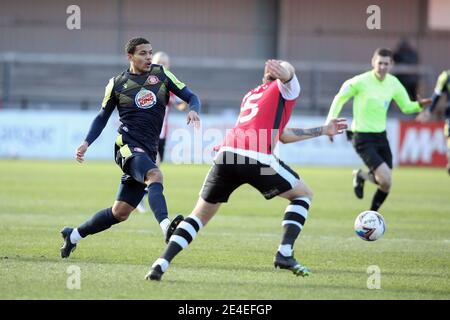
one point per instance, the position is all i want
(372, 93)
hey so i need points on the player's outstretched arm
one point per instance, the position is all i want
(425, 115)
(194, 105)
(334, 126)
(99, 122)
(184, 93)
(405, 104)
(427, 104)
(95, 130)
(194, 118)
(81, 150)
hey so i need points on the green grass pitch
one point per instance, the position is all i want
(232, 257)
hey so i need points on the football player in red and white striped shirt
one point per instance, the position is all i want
(246, 156)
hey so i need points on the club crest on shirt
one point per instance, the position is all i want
(145, 99)
(152, 80)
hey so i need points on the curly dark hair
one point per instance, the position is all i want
(131, 45)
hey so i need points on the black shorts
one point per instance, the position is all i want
(373, 148)
(231, 170)
(135, 163)
(161, 148)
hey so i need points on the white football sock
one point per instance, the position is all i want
(75, 236)
(163, 263)
(285, 250)
(165, 225)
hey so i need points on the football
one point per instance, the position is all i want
(370, 225)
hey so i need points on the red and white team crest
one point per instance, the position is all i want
(152, 79)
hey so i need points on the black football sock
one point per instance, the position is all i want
(378, 199)
(100, 221)
(293, 222)
(183, 235)
(157, 201)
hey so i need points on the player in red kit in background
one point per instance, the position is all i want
(246, 157)
(163, 59)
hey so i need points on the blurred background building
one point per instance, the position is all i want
(217, 47)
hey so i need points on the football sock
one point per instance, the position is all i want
(294, 218)
(164, 225)
(285, 250)
(367, 176)
(157, 201)
(183, 235)
(75, 236)
(100, 221)
(378, 199)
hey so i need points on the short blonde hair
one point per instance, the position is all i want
(161, 57)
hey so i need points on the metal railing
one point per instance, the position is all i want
(77, 81)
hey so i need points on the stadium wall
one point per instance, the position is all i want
(217, 47)
(319, 30)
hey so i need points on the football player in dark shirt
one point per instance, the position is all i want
(140, 95)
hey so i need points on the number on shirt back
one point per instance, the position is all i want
(249, 104)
